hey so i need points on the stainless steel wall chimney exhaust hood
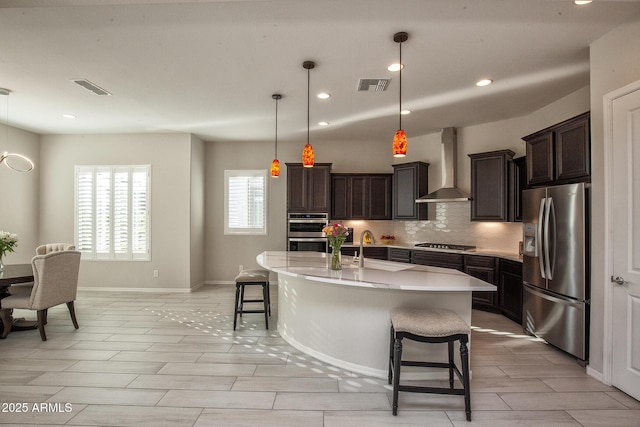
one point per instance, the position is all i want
(449, 191)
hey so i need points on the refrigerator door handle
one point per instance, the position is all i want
(542, 294)
(551, 248)
(547, 244)
(540, 249)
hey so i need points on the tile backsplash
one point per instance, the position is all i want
(449, 224)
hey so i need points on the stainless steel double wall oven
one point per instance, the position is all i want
(304, 232)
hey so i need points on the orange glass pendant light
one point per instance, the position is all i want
(308, 157)
(275, 168)
(400, 138)
(275, 164)
(400, 144)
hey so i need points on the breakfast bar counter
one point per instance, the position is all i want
(342, 317)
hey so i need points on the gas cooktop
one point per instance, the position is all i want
(446, 246)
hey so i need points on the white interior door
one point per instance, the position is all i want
(625, 247)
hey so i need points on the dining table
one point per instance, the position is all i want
(13, 274)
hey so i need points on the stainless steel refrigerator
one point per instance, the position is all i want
(556, 266)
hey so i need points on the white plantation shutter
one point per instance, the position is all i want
(85, 218)
(139, 211)
(245, 202)
(112, 212)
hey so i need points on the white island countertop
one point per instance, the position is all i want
(314, 266)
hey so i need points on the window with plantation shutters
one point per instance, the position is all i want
(112, 219)
(245, 202)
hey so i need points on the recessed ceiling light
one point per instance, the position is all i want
(324, 95)
(69, 116)
(405, 112)
(394, 67)
(323, 123)
(581, 2)
(484, 82)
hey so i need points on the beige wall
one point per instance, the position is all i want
(615, 62)
(197, 213)
(19, 194)
(223, 254)
(169, 156)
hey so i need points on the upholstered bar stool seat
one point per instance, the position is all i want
(248, 278)
(429, 326)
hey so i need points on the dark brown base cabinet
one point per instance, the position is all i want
(510, 289)
(438, 259)
(309, 189)
(483, 268)
(505, 274)
(400, 255)
(361, 196)
(372, 252)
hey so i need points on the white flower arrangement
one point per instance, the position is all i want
(8, 241)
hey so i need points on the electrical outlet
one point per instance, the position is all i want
(240, 267)
(156, 273)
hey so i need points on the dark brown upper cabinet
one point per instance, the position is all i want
(309, 189)
(410, 181)
(490, 185)
(560, 154)
(517, 184)
(361, 196)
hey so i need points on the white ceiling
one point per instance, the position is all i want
(210, 67)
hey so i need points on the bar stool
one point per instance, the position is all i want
(248, 278)
(429, 326)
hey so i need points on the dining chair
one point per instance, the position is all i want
(55, 282)
(54, 247)
(40, 250)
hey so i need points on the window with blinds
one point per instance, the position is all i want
(112, 212)
(245, 202)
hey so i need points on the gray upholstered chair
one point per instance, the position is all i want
(55, 282)
(54, 247)
(40, 250)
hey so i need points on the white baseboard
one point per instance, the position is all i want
(596, 374)
(160, 290)
(146, 290)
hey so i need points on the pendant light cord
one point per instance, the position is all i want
(308, 101)
(276, 128)
(6, 143)
(400, 103)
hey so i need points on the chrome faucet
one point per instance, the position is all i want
(361, 258)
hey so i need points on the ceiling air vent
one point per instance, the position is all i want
(91, 86)
(372, 85)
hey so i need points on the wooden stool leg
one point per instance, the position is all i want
(450, 349)
(265, 292)
(464, 355)
(269, 298)
(241, 299)
(235, 308)
(391, 334)
(397, 361)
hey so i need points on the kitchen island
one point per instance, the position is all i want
(342, 317)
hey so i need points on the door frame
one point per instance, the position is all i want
(608, 100)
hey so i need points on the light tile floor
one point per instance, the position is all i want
(174, 360)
